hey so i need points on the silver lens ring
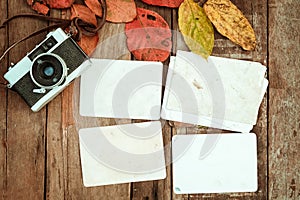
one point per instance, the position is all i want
(48, 70)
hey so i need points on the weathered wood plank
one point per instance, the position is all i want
(160, 189)
(284, 94)
(109, 34)
(164, 189)
(144, 190)
(179, 131)
(73, 184)
(3, 104)
(256, 12)
(25, 129)
(22, 147)
(55, 170)
(55, 182)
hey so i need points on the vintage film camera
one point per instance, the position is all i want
(44, 72)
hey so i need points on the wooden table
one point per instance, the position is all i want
(39, 152)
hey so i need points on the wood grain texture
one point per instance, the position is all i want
(3, 104)
(164, 187)
(72, 122)
(54, 155)
(39, 152)
(108, 35)
(160, 189)
(284, 94)
(55, 169)
(256, 13)
(25, 129)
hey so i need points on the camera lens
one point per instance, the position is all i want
(48, 70)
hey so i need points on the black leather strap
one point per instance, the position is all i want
(82, 27)
(62, 25)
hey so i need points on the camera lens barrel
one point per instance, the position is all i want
(48, 70)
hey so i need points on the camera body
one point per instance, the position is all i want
(44, 72)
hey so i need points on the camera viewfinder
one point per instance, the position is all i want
(43, 48)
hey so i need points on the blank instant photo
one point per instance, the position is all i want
(122, 154)
(218, 92)
(214, 163)
(121, 89)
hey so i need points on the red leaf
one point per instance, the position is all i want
(149, 36)
(40, 8)
(83, 13)
(60, 3)
(95, 6)
(88, 44)
(120, 10)
(166, 3)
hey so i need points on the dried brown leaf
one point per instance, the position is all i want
(95, 6)
(83, 13)
(120, 10)
(88, 43)
(231, 22)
